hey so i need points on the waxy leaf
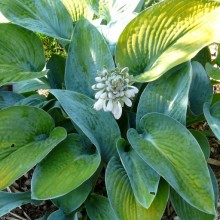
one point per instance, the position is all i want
(88, 53)
(143, 179)
(61, 171)
(98, 208)
(203, 142)
(159, 38)
(21, 57)
(122, 198)
(171, 150)
(9, 201)
(59, 215)
(167, 95)
(201, 89)
(74, 199)
(8, 99)
(186, 211)
(100, 127)
(47, 17)
(213, 117)
(27, 135)
(78, 9)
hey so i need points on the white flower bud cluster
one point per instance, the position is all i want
(114, 89)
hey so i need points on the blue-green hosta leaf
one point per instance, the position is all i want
(201, 89)
(27, 135)
(74, 199)
(47, 17)
(70, 164)
(9, 201)
(8, 99)
(167, 95)
(159, 38)
(21, 54)
(143, 179)
(98, 208)
(171, 150)
(30, 85)
(55, 75)
(203, 142)
(186, 211)
(60, 215)
(78, 9)
(88, 53)
(213, 117)
(213, 72)
(100, 127)
(122, 199)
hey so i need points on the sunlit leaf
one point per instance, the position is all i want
(47, 17)
(171, 150)
(159, 38)
(21, 54)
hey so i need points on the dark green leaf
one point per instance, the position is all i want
(8, 99)
(213, 72)
(59, 215)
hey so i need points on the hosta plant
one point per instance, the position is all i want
(116, 136)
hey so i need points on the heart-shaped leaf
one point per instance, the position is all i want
(9, 201)
(21, 54)
(88, 53)
(186, 211)
(143, 179)
(213, 117)
(167, 95)
(27, 135)
(100, 127)
(159, 38)
(122, 199)
(61, 171)
(47, 17)
(171, 150)
(8, 99)
(98, 208)
(201, 89)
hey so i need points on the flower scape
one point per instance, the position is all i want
(114, 89)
